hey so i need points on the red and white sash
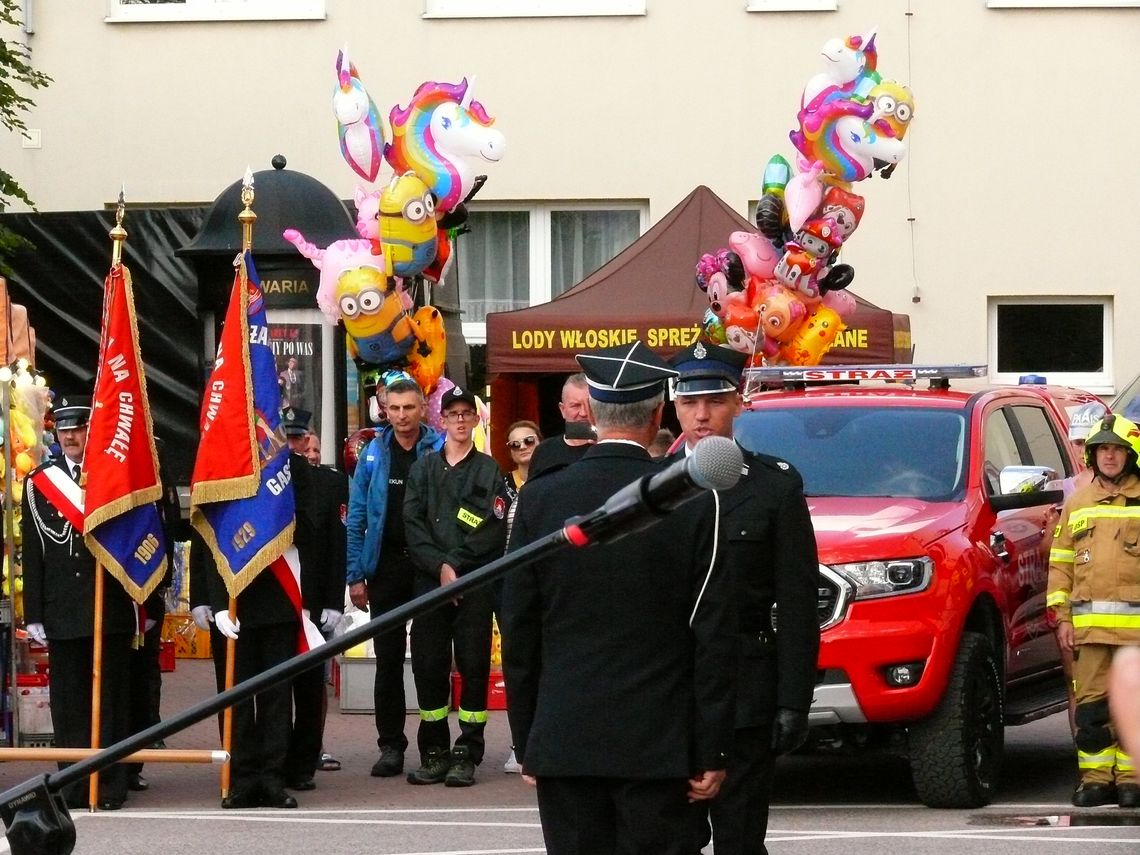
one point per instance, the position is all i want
(61, 490)
(287, 571)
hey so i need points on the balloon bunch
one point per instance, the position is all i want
(375, 284)
(778, 295)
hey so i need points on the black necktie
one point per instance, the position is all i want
(75, 473)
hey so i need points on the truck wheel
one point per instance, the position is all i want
(955, 754)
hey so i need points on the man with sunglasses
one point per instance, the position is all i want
(454, 519)
(380, 569)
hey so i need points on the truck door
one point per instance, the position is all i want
(1018, 540)
(1041, 445)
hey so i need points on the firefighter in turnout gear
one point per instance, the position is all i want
(1094, 602)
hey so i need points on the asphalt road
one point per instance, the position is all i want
(825, 804)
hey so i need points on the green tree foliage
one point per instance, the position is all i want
(16, 77)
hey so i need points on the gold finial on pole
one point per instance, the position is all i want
(118, 233)
(247, 216)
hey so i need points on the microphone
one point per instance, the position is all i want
(715, 463)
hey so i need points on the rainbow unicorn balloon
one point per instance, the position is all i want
(438, 135)
(361, 132)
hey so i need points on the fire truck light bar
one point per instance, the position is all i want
(855, 373)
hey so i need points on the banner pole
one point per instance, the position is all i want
(228, 715)
(96, 681)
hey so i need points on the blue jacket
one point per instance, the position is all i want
(368, 500)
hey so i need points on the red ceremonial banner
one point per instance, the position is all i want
(121, 461)
(226, 466)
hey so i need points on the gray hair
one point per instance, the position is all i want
(406, 386)
(636, 415)
(578, 380)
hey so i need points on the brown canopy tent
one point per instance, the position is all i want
(647, 292)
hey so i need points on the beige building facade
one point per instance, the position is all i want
(1020, 151)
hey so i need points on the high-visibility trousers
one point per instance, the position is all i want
(1100, 757)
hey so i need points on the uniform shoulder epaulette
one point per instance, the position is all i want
(49, 462)
(768, 461)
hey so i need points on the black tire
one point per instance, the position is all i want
(956, 753)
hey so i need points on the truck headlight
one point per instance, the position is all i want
(873, 579)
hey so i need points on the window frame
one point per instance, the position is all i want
(539, 220)
(449, 9)
(1062, 4)
(215, 10)
(1098, 382)
(791, 6)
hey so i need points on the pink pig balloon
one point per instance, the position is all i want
(756, 253)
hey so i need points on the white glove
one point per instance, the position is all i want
(36, 633)
(228, 628)
(203, 616)
(148, 625)
(329, 618)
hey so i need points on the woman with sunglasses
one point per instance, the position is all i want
(522, 439)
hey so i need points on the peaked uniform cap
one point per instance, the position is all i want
(295, 422)
(72, 411)
(624, 374)
(707, 369)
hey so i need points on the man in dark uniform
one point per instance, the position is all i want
(770, 547)
(321, 496)
(619, 658)
(455, 511)
(59, 606)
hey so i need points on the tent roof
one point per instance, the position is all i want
(647, 291)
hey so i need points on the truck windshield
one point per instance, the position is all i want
(902, 452)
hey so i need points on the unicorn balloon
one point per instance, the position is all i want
(438, 136)
(841, 137)
(848, 61)
(361, 132)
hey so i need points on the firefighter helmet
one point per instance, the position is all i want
(1113, 430)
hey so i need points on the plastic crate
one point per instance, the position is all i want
(189, 641)
(496, 691)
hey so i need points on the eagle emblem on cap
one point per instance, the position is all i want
(699, 351)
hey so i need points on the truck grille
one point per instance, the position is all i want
(832, 597)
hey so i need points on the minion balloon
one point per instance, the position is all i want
(408, 229)
(379, 328)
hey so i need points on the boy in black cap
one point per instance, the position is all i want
(770, 549)
(618, 658)
(454, 518)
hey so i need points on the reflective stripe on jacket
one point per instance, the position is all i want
(1094, 563)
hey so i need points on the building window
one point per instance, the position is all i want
(531, 8)
(493, 261)
(792, 5)
(130, 11)
(521, 255)
(1067, 340)
(1060, 4)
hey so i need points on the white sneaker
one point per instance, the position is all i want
(512, 766)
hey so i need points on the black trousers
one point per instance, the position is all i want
(262, 725)
(467, 628)
(309, 698)
(145, 678)
(391, 586)
(70, 664)
(616, 816)
(739, 813)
